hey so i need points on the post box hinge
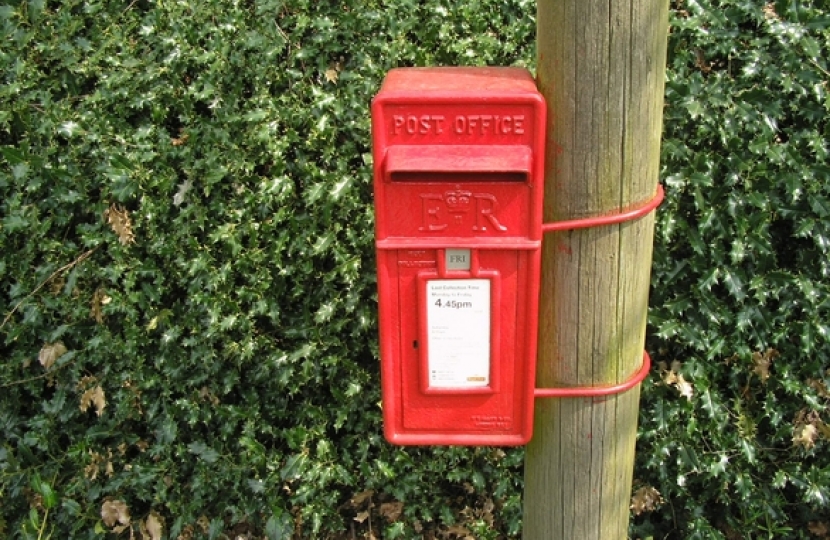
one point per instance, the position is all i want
(611, 219)
(598, 391)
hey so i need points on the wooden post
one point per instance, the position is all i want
(601, 67)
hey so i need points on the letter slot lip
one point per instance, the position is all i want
(458, 163)
(454, 193)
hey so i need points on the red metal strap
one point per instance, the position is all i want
(611, 219)
(598, 391)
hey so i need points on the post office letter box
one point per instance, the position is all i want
(458, 165)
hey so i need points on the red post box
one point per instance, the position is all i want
(458, 178)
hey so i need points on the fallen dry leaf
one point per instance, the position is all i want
(94, 396)
(701, 63)
(819, 528)
(361, 497)
(672, 377)
(50, 352)
(805, 436)
(333, 72)
(120, 222)
(115, 512)
(99, 299)
(181, 139)
(819, 386)
(391, 510)
(645, 499)
(153, 526)
(187, 533)
(459, 531)
(762, 363)
(684, 387)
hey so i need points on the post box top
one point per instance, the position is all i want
(451, 81)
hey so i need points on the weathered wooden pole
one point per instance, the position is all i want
(601, 67)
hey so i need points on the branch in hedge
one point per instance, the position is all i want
(41, 376)
(57, 272)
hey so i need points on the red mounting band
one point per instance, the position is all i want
(598, 391)
(642, 373)
(611, 219)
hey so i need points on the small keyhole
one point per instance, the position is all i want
(415, 344)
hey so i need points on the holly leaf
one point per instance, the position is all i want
(203, 451)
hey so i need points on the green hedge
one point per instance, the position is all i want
(186, 216)
(732, 430)
(187, 277)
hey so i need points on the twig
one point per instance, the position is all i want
(817, 66)
(63, 268)
(283, 34)
(36, 377)
(369, 508)
(43, 525)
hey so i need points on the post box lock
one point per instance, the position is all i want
(458, 179)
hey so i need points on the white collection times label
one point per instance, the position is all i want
(458, 333)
